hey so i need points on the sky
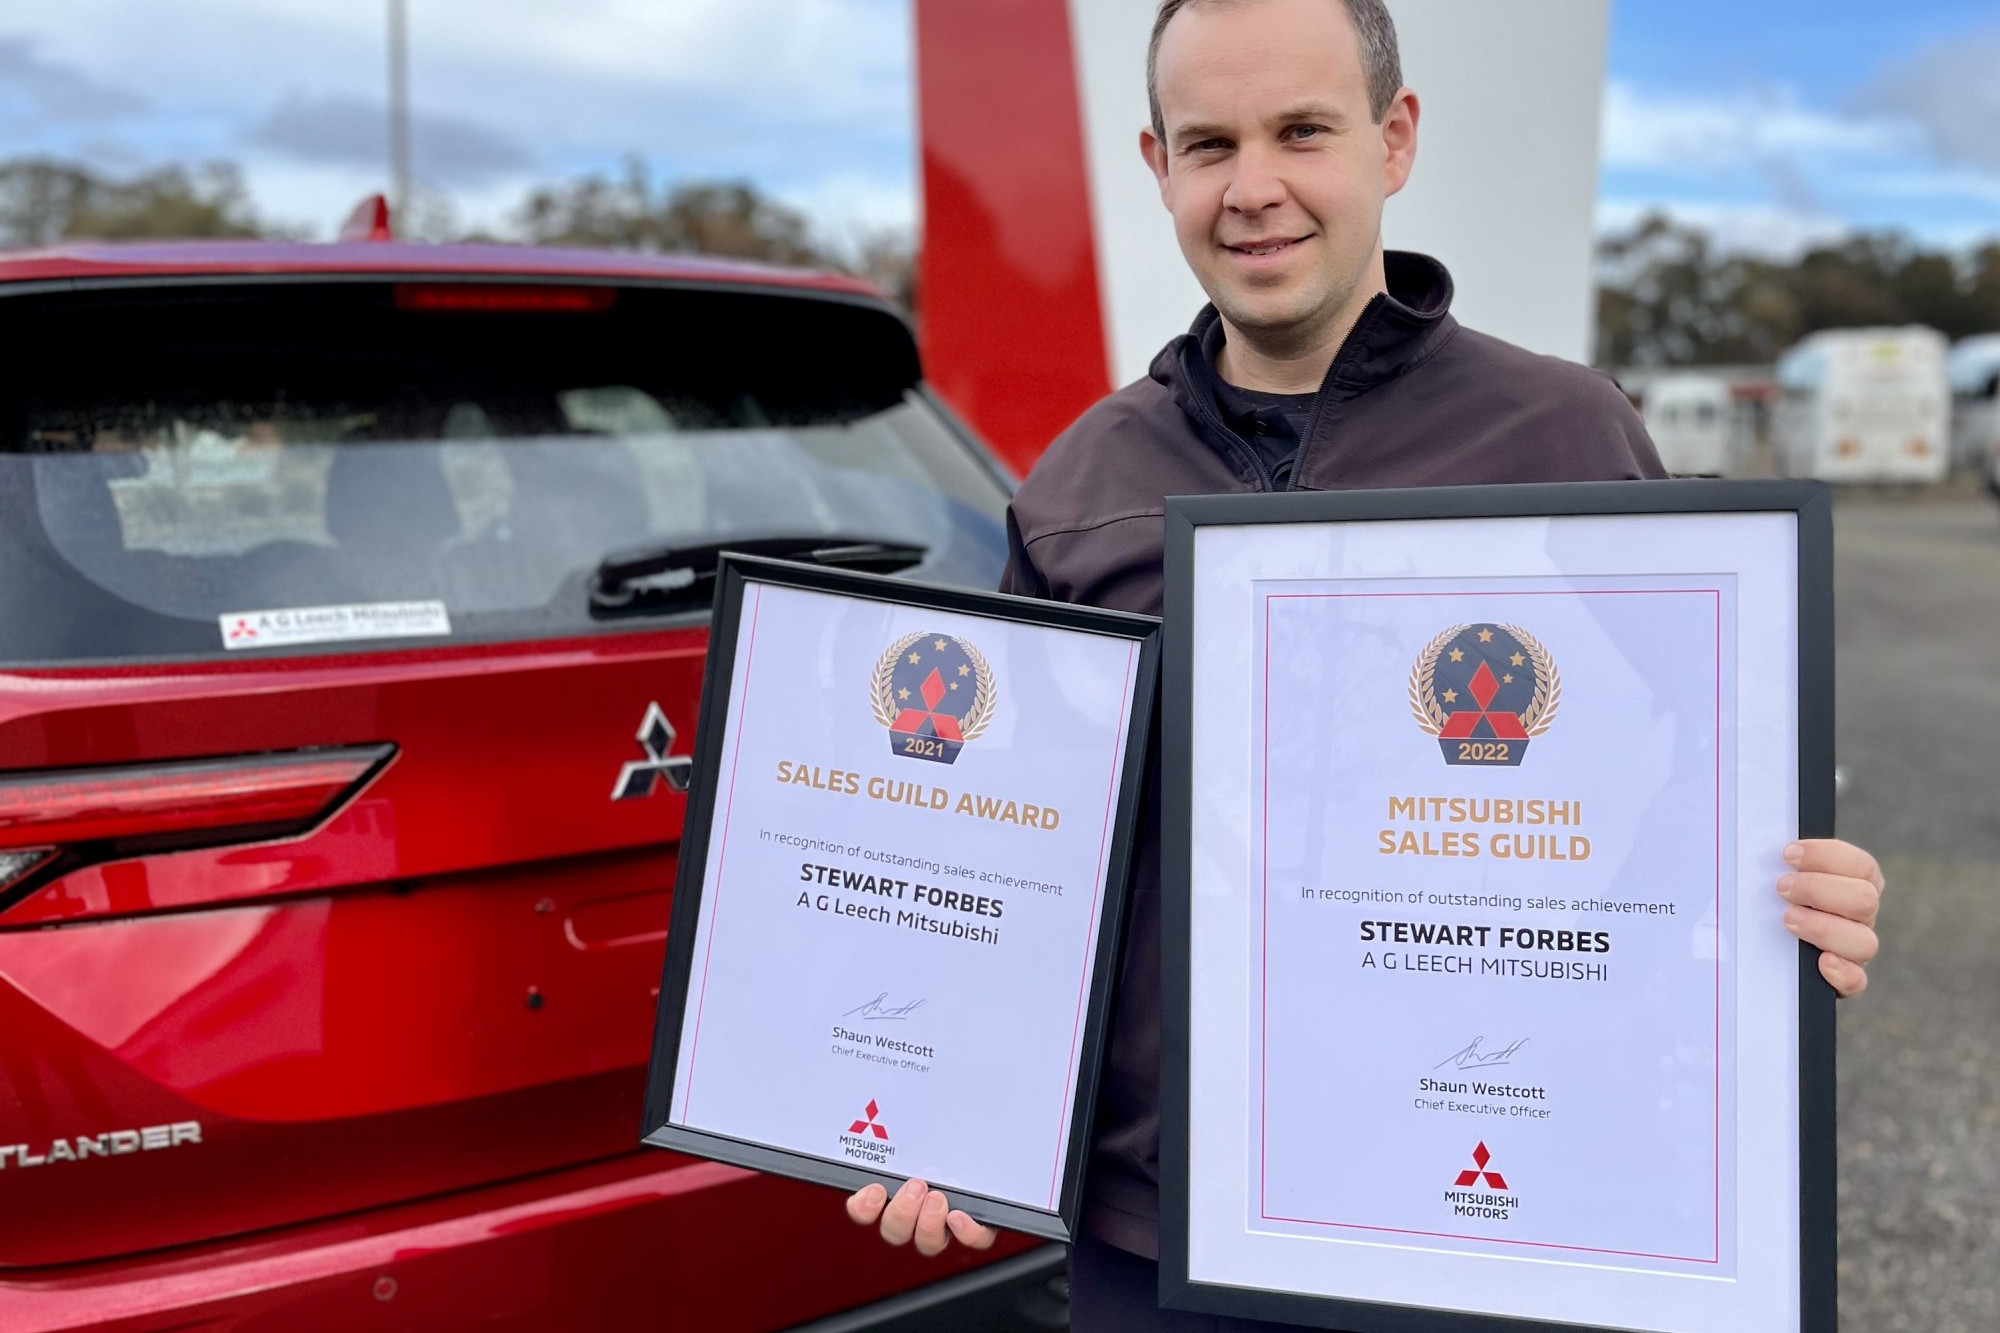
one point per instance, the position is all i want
(1776, 123)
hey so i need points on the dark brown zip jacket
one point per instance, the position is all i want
(1411, 399)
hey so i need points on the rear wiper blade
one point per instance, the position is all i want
(650, 580)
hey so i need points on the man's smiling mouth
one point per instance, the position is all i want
(1259, 249)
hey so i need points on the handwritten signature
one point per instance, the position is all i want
(879, 1008)
(1472, 1057)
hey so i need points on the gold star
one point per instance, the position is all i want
(1458, 654)
(1507, 679)
(954, 685)
(965, 671)
(913, 659)
(1451, 696)
(1486, 636)
(939, 645)
(1518, 660)
(902, 694)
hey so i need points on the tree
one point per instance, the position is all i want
(43, 201)
(715, 218)
(732, 219)
(1667, 298)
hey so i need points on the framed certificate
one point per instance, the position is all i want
(897, 906)
(1479, 1010)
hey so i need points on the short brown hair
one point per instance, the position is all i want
(1380, 59)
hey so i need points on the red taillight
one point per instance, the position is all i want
(503, 298)
(53, 821)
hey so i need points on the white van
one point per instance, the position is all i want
(1865, 405)
(1975, 412)
(1692, 420)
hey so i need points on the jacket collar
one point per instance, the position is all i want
(1397, 330)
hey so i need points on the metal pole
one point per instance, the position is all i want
(399, 113)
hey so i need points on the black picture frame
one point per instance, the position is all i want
(1812, 504)
(735, 573)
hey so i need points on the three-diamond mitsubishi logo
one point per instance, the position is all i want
(869, 1125)
(656, 738)
(867, 1139)
(1480, 1157)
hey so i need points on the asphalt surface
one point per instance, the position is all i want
(1918, 586)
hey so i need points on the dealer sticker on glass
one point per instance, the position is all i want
(333, 624)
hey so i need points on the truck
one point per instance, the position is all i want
(1865, 405)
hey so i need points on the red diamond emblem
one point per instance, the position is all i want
(1480, 1157)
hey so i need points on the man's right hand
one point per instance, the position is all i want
(918, 1213)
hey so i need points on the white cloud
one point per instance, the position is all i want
(812, 99)
(1769, 230)
(353, 131)
(1767, 173)
(1692, 133)
(36, 91)
(1952, 90)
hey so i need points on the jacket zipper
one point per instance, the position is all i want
(1237, 444)
(1319, 406)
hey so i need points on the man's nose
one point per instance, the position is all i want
(1256, 183)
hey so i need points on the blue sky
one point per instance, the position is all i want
(1776, 122)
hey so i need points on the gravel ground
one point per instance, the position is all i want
(1918, 579)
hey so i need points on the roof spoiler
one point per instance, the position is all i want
(369, 221)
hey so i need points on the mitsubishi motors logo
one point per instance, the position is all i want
(1495, 1203)
(869, 1125)
(1480, 1158)
(867, 1139)
(656, 738)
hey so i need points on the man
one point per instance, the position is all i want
(1279, 129)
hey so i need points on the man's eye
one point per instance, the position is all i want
(1208, 146)
(1305, 131)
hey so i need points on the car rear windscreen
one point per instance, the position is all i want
(173, 458)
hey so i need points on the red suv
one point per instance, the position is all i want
(352, 608)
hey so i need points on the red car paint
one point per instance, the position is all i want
(413, 1038)
(89, 260)
(1013, 331)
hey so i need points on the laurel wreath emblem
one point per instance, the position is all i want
(1540, 714)
(985, 694)
(1423, 690)
(1536, 719)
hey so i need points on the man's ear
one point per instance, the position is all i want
(1155, 154)
(1399, 140)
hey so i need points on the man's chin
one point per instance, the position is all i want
(1271, 313)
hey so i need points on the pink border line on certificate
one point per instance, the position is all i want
(1263, 1071)
(722, 856)
(1090, 935)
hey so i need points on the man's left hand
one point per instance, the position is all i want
(1835, 890)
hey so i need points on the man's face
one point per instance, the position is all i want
(1272, 166)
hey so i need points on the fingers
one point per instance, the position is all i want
(899, 1219)
(970, 1234)
(1831, 856)
(865, 1205)
(1834, 934)
(916, 1212)
(1842, 895)
(1847, 978)
(931, 1234)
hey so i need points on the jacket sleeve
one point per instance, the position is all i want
(1646, 465)
(1020, 577)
